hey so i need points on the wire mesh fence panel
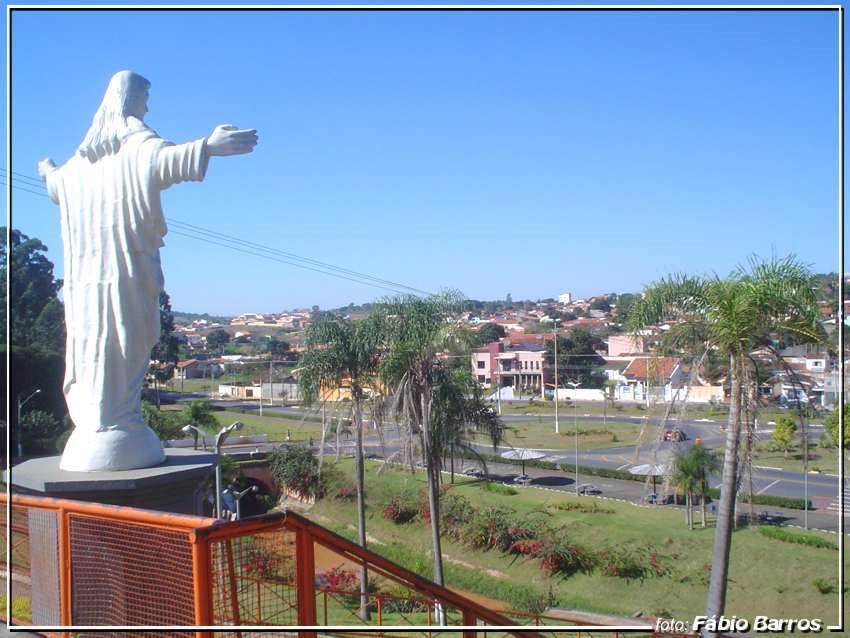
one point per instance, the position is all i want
(44, 566)
(388, 601)
(253, 579)
(129, 574)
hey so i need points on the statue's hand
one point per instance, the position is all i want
(45, 167)
(226, 139)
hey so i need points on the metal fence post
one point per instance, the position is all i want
(469, 619)
(202, 584)
(65, 595)
(305, 578)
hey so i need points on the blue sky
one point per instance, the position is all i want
(528, 153)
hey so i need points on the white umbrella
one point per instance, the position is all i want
(522, 455)
(649, 469)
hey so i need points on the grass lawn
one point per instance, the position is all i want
(820, 459)
(540, 433)
(275, 427)
(768, 576)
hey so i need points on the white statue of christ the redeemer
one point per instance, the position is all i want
(112, 229)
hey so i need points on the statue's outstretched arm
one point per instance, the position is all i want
(46, 168)
(226, 139)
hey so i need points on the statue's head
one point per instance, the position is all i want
(120, 113)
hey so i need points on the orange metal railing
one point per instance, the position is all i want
(88, 565)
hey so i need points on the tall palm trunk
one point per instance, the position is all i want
(690, 507)
(703, 493)
(359, 477)
(433, 472)
(716, 602)
(322, 443)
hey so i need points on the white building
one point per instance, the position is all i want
(565, 298)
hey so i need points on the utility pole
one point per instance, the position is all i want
(555, 332)
(575, 385)
(21, 404)
(271, 386)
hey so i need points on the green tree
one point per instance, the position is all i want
(199, 413)
(217, 339)
(32, 287)
(488, 333)
(39, 431)
(278, 347)
(738, 313)
(342, 350)
(577, 359)
(625, 302)
(784, 432)
(167, 348)
(166, 424)
(420, 331)
(48, 330)
(831, 425)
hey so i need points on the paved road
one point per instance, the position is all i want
(822, 489)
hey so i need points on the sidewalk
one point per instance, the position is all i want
(635, 491)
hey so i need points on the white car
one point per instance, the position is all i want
(522, 479)
(588, 489)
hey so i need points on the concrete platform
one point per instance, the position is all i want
(172, 486)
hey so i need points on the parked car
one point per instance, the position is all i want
(675, 435)
(471, 471)
(588, 489)
(522, 479)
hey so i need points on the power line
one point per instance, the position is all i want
(205, 235)
(288, 255)
(283, 261)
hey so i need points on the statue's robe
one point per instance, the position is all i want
(112, 230)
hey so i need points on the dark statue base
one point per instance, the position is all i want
(172, 486)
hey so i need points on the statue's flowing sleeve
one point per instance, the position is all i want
(177, 163)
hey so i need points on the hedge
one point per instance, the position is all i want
(604, 472)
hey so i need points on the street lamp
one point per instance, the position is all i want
(555, 332)
(219, 441)
(191, 429)
(575, 385)
(237, 496)
(21, 404)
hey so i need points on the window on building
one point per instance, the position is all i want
(482, 378)
(481, 365)
(249, 393)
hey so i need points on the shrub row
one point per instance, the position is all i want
(604, 472)
(767, 499)
(801, 538)
(501, 528)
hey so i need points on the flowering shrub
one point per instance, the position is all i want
(346, 493)
(398, 511)
(564, 558)
(264, 563)
(296, 469)
(339, 580)
(526, 547)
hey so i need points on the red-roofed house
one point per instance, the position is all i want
(660, 377)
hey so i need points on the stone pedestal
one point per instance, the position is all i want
(172, 486)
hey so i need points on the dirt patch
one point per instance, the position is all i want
(369, 539)
(495, 573)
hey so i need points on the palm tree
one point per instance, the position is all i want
(684, 477)
(460, 413)
(691, 470)
(338, 351)
(735, 314)
(419, 330)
